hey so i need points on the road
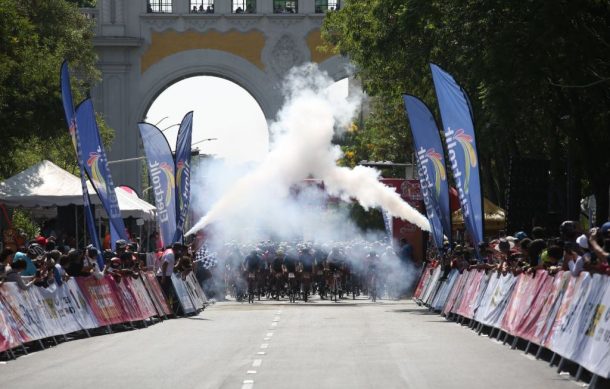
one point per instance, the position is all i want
(278, 345)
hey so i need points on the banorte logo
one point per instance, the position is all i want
(439, 169)
(182, 173)
(96, 175)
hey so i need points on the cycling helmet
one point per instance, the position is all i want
(35, 250)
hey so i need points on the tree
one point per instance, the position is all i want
(35, 37)
(537, 73)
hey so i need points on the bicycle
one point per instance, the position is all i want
(292, 287)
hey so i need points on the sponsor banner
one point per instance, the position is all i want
(161, 170)
(195, 291)
(459, 284)
(101, 295)
(543, 325)
(183, 173)
(431, 168)
(524, 294)
(568, 334)
(145, 302)
(183, 296)
(470, 297)
(68, 103)
(75, 299)
(432, 285)
(533, 318)
(595, 355)
(493, 304)
(443, 293)
(56, 304)
(422, 282)
(128, 299)
(461, 145)
(9, 336)
(156, 294)
(95, 163)
(560, 311)
(462, 292)
(27, 321)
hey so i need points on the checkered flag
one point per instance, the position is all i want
(206, 258)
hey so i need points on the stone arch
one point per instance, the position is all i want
(209, 63)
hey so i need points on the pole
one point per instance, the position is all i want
(76, 223)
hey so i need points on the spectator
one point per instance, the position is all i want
(75, 267)
(168, 261)
(14, 275)
(90, 265)
(6, 259)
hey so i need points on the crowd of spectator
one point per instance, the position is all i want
(44, 263)
(572, 250)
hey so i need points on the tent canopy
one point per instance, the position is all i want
(47, 185)
(495, 217)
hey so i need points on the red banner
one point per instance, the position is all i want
(469, 300)
(524, 294)
(129, 300)
(103, 299)
(153, 288)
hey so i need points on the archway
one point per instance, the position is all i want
(228, 121)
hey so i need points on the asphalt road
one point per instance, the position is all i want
(280, 345)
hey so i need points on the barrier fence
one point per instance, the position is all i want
(85, 303)
(568, 315)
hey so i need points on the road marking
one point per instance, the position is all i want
(279, 313)
(266, 338)
(260, 353)
(251, 372)
(264, 345)
(257, 362)
(274, 324)
(277, 318)
(269, 334)
(248, 384)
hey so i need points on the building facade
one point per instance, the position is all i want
(146, 46)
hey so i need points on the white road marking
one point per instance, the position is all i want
(264, 345)
(266, 338)
(260, 353)
(248, 384)
(251, 372)
(257, 362)
(269, 334)
(276, 318)
(274, 324)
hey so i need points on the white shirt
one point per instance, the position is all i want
(169, 258)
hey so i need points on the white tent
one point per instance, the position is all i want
(47, 185)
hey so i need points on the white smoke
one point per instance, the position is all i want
(260, 202)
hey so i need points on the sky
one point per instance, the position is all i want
(223, 110)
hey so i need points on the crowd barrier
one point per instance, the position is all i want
(569, 315)
(85, 303)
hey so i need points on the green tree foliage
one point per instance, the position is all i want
(35, 37)
(537, 73)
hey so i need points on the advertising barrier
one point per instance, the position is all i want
(85, 303)
(569, 315)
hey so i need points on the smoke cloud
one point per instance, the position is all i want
(259, 202)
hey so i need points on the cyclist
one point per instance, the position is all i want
(290, 268)
(277, 268)
(251, 265)
(373, 270)
(306, 259)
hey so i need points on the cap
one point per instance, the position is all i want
(520, 235)
(605, 228)
(583, 241)
(177, 245)
(120, 244)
